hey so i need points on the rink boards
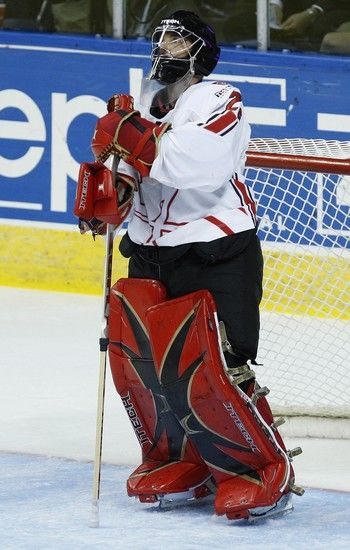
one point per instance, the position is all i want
(54, 87)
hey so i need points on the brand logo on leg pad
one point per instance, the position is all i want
(135, 421)
(229, 407)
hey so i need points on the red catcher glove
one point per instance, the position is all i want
(100, 200)
(131, 137)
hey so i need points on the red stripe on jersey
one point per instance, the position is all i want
(225, 228)
(246, 197)
(167, 220)
(222, 122)
(236, 98)
(136, 214)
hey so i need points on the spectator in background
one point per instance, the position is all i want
(2, 13)
(63, 16)
(337, 41)
(72, 16)
(28, 16)
(304, 24)
(295, 24)
(83, 16)
(234, 20)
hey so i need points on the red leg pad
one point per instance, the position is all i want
(223, 423)
(162, 439)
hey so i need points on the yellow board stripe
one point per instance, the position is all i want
(48, 259)
(305, 284)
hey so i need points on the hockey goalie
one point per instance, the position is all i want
(184, 325)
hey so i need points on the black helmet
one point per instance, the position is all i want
(193, 47)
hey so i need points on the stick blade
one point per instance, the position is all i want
(95, 515)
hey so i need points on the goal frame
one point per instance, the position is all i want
(329, 157)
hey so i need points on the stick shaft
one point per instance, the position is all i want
(102, 369)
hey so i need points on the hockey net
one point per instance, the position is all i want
(303, 192)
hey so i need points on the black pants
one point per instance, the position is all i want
(231, 268)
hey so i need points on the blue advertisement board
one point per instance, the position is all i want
(53, 88)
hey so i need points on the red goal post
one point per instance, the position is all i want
(302, 187)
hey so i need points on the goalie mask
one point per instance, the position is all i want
(183, 47)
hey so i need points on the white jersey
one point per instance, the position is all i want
(196, 190)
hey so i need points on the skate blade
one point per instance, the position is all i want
(167, 504)
(174, 500)
(204, 492)
(283, 506)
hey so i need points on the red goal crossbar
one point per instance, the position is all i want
(300, 154)
(295, 162)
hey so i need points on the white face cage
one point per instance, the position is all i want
(172, 41)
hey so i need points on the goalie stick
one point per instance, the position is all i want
(111, 231)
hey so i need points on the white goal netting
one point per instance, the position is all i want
(303, 191)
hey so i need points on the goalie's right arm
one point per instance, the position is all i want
(101, 198)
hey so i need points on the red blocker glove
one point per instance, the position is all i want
(99, 199)
(131, 137)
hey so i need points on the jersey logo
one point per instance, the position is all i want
(223, 90)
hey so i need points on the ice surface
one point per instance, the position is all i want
(45, 504)
(48, 377)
